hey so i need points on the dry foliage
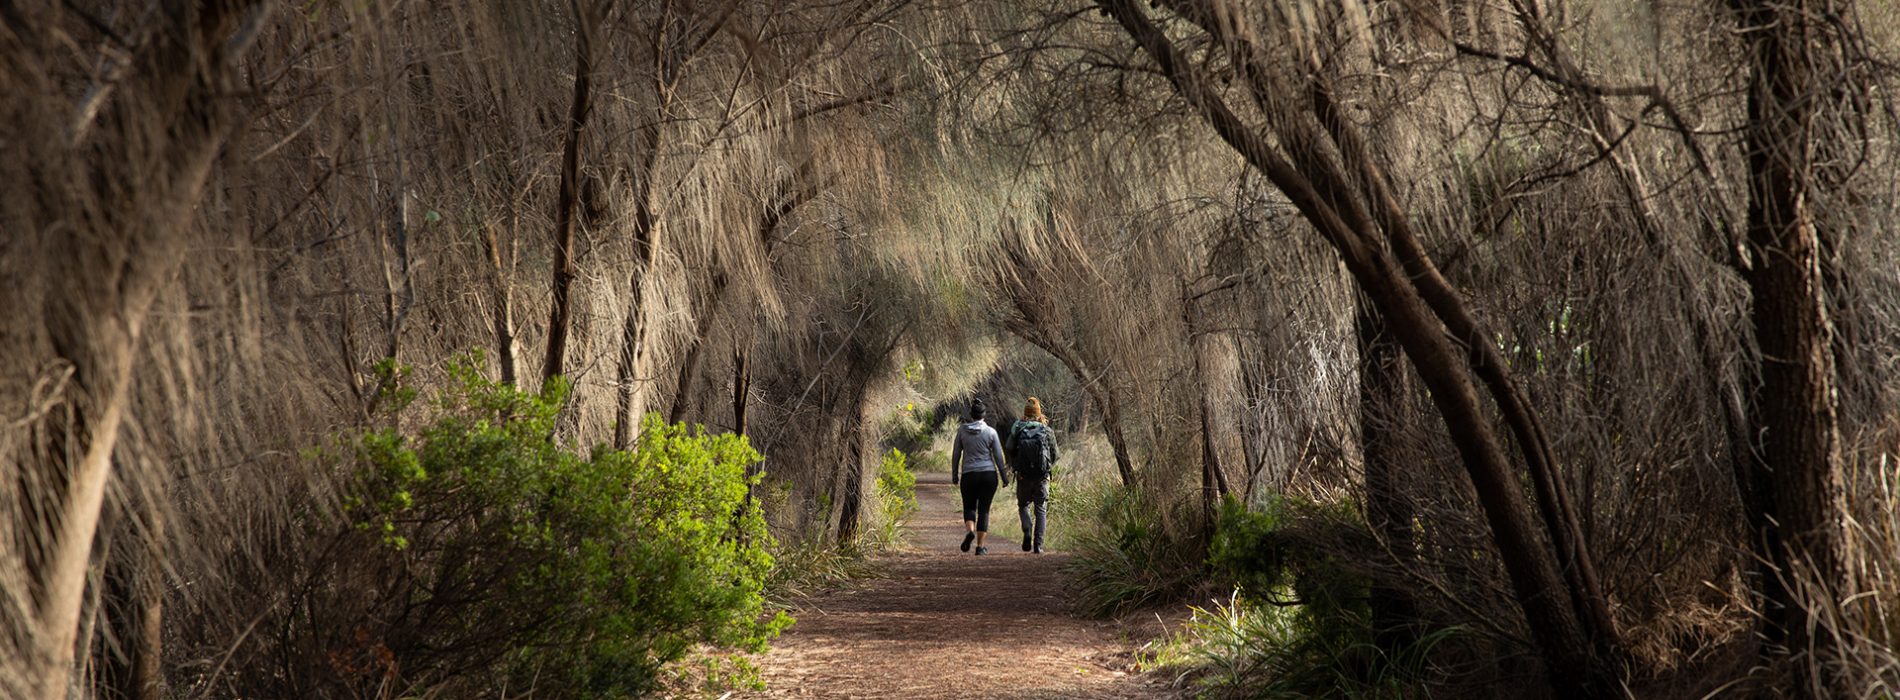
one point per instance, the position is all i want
(793, 219)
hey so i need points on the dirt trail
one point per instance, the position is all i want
(945, 624)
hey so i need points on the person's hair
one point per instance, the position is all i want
(976, 409)
(1033, 411)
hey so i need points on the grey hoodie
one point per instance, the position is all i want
(976, 449)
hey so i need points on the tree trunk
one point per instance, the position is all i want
(1112, 429)
(1079, 416)
(851, 509)
(1252, 425)
(113, 203)
(560, 311)
(741, 388)
(1382, 399)
(1103, 396)
(1574, 657)
(503, 301)
(1796, 489)
(134, 610)
(1213, 480)
(1488, 364)
(627, 374)
(646, 248)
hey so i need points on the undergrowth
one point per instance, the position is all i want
(1297, 622)
(811, 565)
(1127, 555)
(814, 562)
(1246, 648)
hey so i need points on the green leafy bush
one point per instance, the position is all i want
(1262, 554)
(897, 486)
(518, 561)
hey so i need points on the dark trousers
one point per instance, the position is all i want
(1033, 494)
(979, 488)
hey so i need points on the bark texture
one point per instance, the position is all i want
(1796, 493)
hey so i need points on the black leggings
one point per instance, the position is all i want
(979, 488)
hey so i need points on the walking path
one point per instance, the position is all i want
(945, 624)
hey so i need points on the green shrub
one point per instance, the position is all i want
(1261, 553)
(897, 486)
(582, 574)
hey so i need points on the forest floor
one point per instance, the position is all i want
(940, 623)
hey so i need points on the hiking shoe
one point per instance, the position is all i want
(1025, 544)
(968, 537)
(981, 550)
(1039, 548)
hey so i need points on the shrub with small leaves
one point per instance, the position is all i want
(897, 485)
(582, 574)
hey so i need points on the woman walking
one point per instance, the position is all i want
(976, 464)
(1032, 453)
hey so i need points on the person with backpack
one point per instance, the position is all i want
(976, 463)
(1032, 455)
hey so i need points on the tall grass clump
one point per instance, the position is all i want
(1298, 623)
(1249, 648)
(811, 565)
(1127, 553)
(1866, 616)
(812, 562)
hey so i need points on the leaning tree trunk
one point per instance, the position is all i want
(1579, 658)
(1117, 441)
(1796, 491)
(110, 198)
(1098, 391)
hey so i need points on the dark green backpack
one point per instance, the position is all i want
(1030, 457)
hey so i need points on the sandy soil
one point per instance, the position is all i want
(945, 624)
